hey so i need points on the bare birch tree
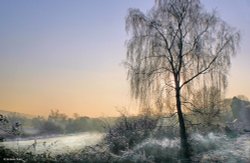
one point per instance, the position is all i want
(175, 47)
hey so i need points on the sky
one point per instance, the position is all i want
(68, 55)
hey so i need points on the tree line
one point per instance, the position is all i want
(55, 123)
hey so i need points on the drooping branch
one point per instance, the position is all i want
(199, 73)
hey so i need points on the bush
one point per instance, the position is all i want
(154, 150)
(204, 143)
(128, 132)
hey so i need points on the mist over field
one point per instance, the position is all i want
(58, 144)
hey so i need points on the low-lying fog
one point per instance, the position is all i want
(55, 145)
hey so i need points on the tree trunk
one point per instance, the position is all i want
(185, 152)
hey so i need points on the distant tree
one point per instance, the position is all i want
(240, 107)
(242, 97)
(55, 115)
(75, 115)
(38, 121)
(59, 119)
(50, 127)
(79, 124)
(174, 48)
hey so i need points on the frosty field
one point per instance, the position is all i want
(55, 145)
(208, 148)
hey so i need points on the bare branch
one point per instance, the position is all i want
(199, 73)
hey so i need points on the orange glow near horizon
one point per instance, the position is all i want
(93, 97)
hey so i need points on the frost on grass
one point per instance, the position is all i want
(205, 148)
(55, 145)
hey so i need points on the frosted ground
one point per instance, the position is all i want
(55, 145)
(211, 148)
(214, 146)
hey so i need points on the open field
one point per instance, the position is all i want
(55, 145)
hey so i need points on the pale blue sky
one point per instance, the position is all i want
(66, 55)
(237, 14)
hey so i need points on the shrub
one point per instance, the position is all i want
(154, 150)
(128, 132)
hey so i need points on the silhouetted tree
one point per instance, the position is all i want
(171, 49)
